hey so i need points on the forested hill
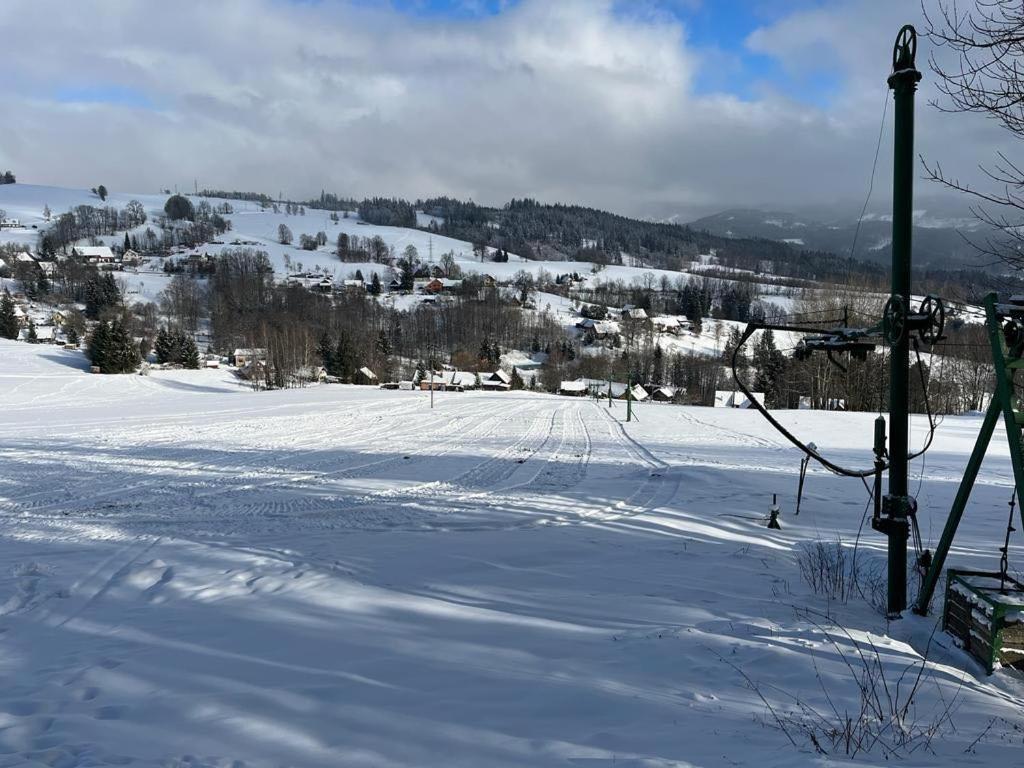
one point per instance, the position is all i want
(572, 232)
(538, 230)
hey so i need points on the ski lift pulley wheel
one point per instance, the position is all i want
(933, 323)
(894, 319)
(904, 50)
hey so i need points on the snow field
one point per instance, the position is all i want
(192, 573)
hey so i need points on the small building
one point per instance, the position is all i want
(437, 382)
(463, 380)
(311, 373)
(364, 376)
(735, 399)
(636, 392)
(577, 388)
(634, 313)
(669, 324)
(822, 403)
(498, 381)
(354, 287)
(98, 255)
(664, 394)
(242, 357)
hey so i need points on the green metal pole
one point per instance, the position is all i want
(903, 81)
(963, 493)
(629, 401)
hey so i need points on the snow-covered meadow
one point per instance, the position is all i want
(192, 573)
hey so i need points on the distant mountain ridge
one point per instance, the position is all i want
(938, 240)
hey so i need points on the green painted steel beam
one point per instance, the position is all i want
(963, 494)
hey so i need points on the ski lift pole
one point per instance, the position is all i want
(896, 506)
(629, 401)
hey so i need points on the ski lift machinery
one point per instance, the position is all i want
(985, 610)
(895, 512)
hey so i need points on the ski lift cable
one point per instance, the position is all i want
(812, 452)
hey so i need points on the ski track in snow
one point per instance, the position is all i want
(194, 574)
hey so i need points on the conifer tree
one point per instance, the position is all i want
(517, 380)
(164, 348)
(375, 287)
(189, 351)
(8, 320)
(99, 346)
(101, 292)
(326, 350)
(124, 352)
(31, 336)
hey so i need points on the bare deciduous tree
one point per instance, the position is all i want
(978, 56)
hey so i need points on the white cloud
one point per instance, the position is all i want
(562, 101)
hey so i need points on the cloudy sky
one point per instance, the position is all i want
(645, 107)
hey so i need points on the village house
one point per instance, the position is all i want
(577, 388)
(354, 287)
(365, 376)
(636, 392)
(670, 324)
(242, 357)
(462, 380)
(663, 394)
(602, 330)
(735, 399)
(437, 382)
(99, 255)
(634, 313)
(498, 381)
(435, 285)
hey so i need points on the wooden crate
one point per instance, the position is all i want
(987, 616)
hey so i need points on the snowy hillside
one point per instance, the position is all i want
(195, 574)
(250, 224)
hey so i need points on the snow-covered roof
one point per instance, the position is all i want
(639, 393)
(463, 379)
(573, 386)
(367, 373)
(725, 398)
(94, 251)
(500, 375)
(250, 352)
(607, 328)
(666, 321)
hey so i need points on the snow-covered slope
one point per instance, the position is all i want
(26, 202)
(195, 574)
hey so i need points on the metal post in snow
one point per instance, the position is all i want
(897, 504)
